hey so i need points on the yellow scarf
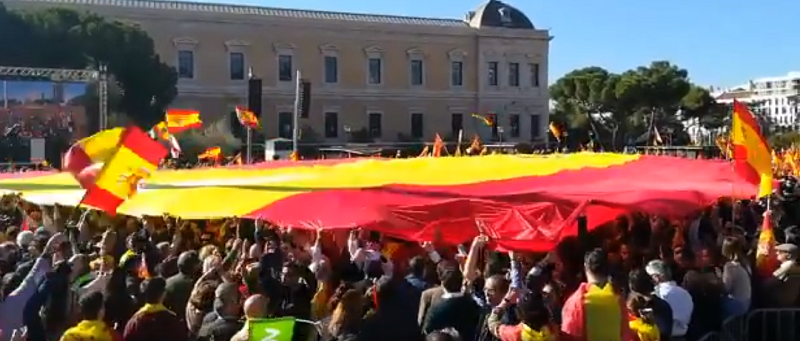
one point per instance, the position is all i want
(646, 331)
(529, 334)
(152, 309)
(94, 330)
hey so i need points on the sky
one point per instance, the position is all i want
(720, 42)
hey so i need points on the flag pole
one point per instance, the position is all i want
(729, 156)
(296, 114)
(249, 155)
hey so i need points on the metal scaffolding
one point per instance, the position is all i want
(67, 76)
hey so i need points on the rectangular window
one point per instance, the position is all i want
(457, 74)
(237, 66)
(493, 68)
(375, 124)
(331, 125)
(513, 123)
(331, 69)
(417, 125)
(375, 71)
(186, 64)
(285, 68)
(456, 123)
(535, 82)
(513, 74)
(535, 128)
(417, 72)
(285, 124)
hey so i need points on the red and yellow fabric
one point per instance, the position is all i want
(488, 120)
(438, 146)
(556, 131)
(766, 258)
(644, 330)
(178, 120)
(530, 200)
(91, 151)
(213, 153)
(752, 155)
(247, 118)
(591, 313)
(160, 131)
(136, 157)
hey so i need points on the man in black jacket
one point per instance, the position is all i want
(456, 310)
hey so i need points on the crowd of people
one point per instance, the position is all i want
(36, 123)
(641, 278)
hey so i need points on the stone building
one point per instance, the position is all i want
(397, 77)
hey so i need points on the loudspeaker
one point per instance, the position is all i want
(305, 98)
(254, 96)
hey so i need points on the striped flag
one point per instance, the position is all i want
(178, 120)
(247, 118)
(135, 158)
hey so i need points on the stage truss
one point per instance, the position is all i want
(67, 76)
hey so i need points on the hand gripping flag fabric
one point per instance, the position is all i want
(752, 156)
(85, 155)
(530, 201)
(179, 120)
(135, 159)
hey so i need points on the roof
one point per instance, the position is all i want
(495, 13)
(256, 10)
(734, 95)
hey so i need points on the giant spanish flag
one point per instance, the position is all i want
(179, 120)
(135, 159)
(529, 200)
(88, 153)
(751, 152)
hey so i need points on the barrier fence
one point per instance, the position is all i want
(760, 325)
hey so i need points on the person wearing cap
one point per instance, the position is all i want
(154, 321)
(679, 300)
(225, 321)
(783, 288)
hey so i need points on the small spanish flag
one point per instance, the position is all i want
(212, 153)
(247, 118)
(438, 146)
(160, 131)
(136, 157)
(752, 155)
(557, 133)
(294, 156)
(488, 120)
(179, 120)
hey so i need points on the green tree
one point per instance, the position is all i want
(62, 38)
(622, 108)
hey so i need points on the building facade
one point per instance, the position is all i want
(396, 77)
(776, 93)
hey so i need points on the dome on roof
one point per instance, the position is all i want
(495, 13)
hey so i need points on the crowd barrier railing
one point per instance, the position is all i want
(769, 324)
(712, 336)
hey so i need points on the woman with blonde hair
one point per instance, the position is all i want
(346, 318)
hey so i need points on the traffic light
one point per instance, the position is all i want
(305, 98)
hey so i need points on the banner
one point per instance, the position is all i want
(280, 329)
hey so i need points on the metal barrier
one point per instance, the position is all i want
(712, 336)
(762, 325)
